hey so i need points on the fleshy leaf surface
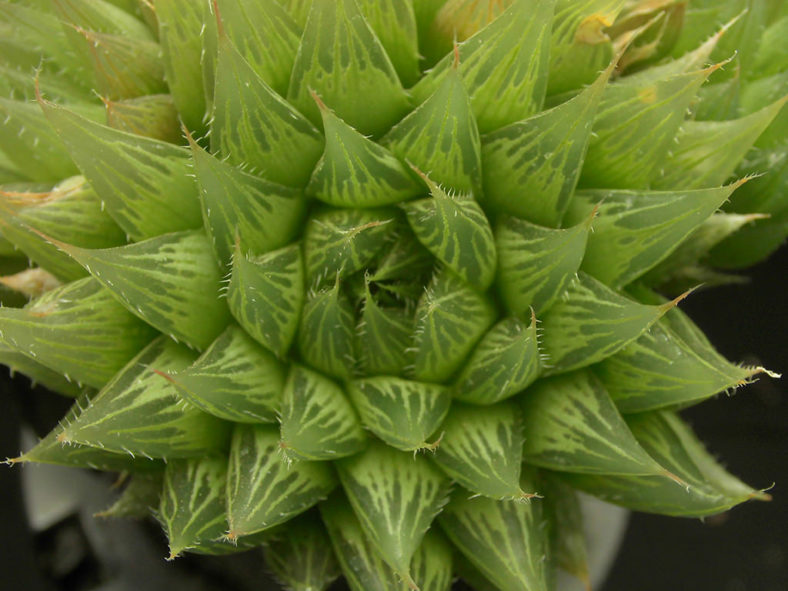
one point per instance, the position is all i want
(263, 490)
(403, 413)
(395, 497)
(318, 421)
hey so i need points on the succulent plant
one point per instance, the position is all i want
(378, 285)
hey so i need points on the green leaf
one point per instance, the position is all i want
(327, 336)
(503, 66)
(263, 490)
(431, 565)
(355, 171)
(342, 60)
(140, 413)
(708, 151)
(101, 335)
(238, 207)
(440, 137)
(505, 362)
(451, 317)
(153, 116)
(579, 47)
(180, 26)
(102, 16)
(145, 183)
(234, 379)
(531, 167)
(384, 336)
(51, 450)
(567, 538)
(536, 264)
(504, 540)
(635, 128)
(71, 212)
(634, 230)
(708, 489)
(481, 448)
(591, 322)
(402, 413)
(395, 496)
(36, 372)
(266, 36)
(277, 280)
(339, 242)
(31, 144)
(456, 231)
(252, 126)
(405, 258)
(394, 24)
(171, 282)
(318, 421)
(299, 554)
(192, 503)
(362, 566)
(572, 425)
(140, 497)
(124, 67)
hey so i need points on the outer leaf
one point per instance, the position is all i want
(171, 282)
(237, 207)
(145, 183)
(567, 538)
(536, 264)
(263, 490)
(431, 565)
(339, 242)
(277, 280)
(255, 127)
(531, 167)
(709, 488)
(661, 369)
(362, 566)
(482, 449)
(138, 412)
(503, 539)
(139, 499)
(355, 171)
(572, 425)
(103, 16)
(101, 335)
(636, 230)
(326, 336)
(440, 137)
(590, 323)
(235, 379)
(708, 151)
(71, 212)
(455, 229)
(402, 413)
(318, 421)
(36, 372)
(342, 60)
(192, 503)
(504, 362)
(504, 66)
(395, 496)
(179, 26)
(450, 319)
(299, 553)
(634, 130)
(31, 144)
(50, 450)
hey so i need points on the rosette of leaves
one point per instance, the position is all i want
(379, 285)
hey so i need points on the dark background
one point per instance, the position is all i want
(745, 549)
